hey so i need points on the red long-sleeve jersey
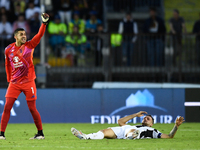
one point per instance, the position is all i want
(19, 60)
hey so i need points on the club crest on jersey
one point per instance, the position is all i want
(16, 59)
(20, 50)
(16, 62)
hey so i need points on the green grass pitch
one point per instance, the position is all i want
(58, 136)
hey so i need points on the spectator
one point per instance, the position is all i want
(21, 4)
(196, 31)
(82, 7)
(30, 11)
(91, 24)
(177, 27)
(6, 4)
(5, 34)
(8, 14)
(155, 28)
(5, 28)
(77, 41)
(57, 30)
(17, 12)
(98, 44)
(96, 5)
(3, 11)
(36, 2)
(65, 10)
(128, 27)
(22, 23)
(78, 22)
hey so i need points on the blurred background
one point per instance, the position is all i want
(89, 41)
(148, 49)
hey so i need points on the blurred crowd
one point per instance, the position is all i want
(69, 21)
(151, 39)
(76, 26)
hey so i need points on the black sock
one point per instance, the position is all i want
(40, 132)
(2, 134)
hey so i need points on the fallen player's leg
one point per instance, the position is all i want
(106, 133)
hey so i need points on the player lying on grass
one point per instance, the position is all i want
(130, 132)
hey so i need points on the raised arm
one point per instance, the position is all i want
(179, 121)
(36, 39)
(122, 121)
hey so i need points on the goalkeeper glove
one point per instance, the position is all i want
(45, 18)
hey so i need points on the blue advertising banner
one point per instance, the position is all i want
(99, 105)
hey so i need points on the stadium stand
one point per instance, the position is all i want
(107, 44)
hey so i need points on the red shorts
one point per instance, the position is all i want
(28, 88)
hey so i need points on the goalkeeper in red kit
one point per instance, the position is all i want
(21, 75)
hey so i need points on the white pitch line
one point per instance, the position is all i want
(69, 147)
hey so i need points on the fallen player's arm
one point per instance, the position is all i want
(179, 121)
(122, 121)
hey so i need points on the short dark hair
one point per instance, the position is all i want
(176, 10)
(151, 118)
(17, 30)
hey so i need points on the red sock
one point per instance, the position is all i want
(35, 114)
(6, 113)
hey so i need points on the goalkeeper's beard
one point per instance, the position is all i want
(23, 40)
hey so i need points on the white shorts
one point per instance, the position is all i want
(120, 131)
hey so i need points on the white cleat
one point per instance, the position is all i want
(78, 134)
(2, 137)
(37, 136)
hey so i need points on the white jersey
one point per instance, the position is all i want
(144, 131)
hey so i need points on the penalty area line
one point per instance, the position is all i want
(66, 147)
